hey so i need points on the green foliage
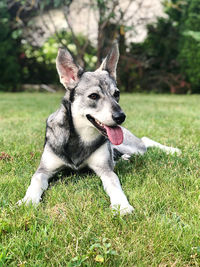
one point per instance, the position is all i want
(99, 252)
(40, 62)
(46, 4)
(175, 9)
(153, 65)
(189, 56)
(167, 61)
(4, 256)
(20, 62)
(48, 51)
(169, 58)
(161, 43)
(9, 51)
(194, 34)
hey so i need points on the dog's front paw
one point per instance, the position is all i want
(33, 196)
(27, 200)
(122, 209)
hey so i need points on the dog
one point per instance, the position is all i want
(85, 131)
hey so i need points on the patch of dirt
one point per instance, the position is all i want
(6, 157)
(58, 212)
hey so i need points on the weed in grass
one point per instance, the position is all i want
(99, 252)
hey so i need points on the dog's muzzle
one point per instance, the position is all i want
(119, 117)
(113, 133)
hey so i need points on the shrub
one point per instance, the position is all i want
(39, 62)
(9, 52)
(152, 65)
(189, 56)
(161, 63)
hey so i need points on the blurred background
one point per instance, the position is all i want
(159, 42)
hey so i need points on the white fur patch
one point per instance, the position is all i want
(169, 150)
(86, 131)
(39, 183)
(105, 115)
(50, 160)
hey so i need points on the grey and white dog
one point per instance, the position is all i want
(85, 131)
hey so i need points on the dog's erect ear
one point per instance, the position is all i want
(110, 62)
(67, 69)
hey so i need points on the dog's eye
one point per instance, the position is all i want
(94, 96)
(116, 94)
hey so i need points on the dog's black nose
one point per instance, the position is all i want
(119, 117)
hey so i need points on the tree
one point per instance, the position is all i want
(9, 51)
(189, 45)
(155, 62)
(113, 18)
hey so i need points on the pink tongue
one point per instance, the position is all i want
(115, 134)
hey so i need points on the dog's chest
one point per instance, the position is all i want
(77, 152)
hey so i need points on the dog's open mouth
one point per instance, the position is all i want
(114, 134)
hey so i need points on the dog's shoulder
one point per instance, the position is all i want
(57, 128)
(59, 118)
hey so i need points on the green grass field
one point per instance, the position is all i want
(73, 225)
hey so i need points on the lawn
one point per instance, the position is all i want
(73, 225)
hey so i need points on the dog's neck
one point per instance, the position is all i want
(80, 124)
(86, 131)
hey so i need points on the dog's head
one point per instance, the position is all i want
(94, 95)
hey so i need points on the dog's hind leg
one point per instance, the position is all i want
(49, 165)
(131, 145)
(169, 150)
(134, 145)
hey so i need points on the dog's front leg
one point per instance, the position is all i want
(101, 163)
(39, 183)
(113, 188)
(49, 165)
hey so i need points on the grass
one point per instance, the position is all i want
(73, 225)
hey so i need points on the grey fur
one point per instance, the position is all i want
(64, 141)
(72, 141)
